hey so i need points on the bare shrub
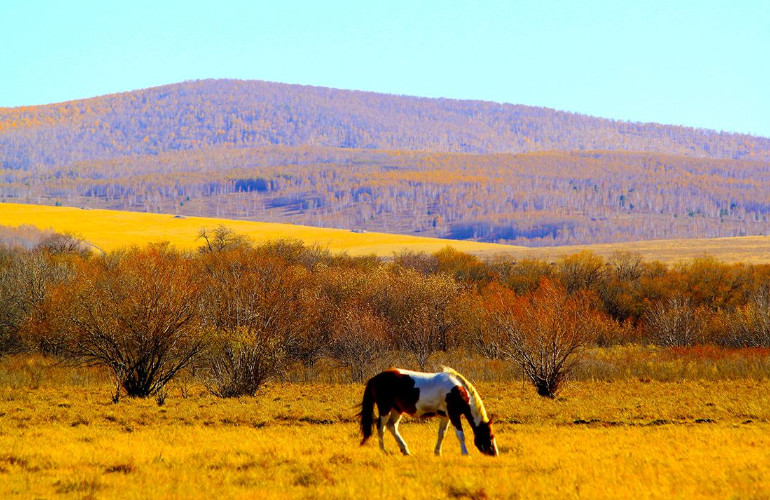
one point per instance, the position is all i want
(64, 244)
(358, 341)
(475, 324)
(295, 252)
(27, 282)
(546, 333)
(136, 313)
(12, 310)
(582, 271)
(416, 309)
(420, 261)
(462, 266)
(626, 266)
(257, 309)
(241, 361)
(674, 322)
(750, 325)
(524, 275)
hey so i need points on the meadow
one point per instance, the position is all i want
(61, 436)
(112, 229)
(651, 411)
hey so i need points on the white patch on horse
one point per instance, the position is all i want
(433, 390)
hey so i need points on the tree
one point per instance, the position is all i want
(137, 314)
(220, 238)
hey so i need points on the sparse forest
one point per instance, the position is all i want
(323, 157)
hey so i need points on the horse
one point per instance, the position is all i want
(446, 394)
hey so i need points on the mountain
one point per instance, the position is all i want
(361, 160)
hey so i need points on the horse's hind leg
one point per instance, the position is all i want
(381, 430)
(442, 427)
(393, 421)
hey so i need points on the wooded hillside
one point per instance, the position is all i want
(366, 161)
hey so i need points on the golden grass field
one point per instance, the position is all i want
(110, 229)
(62, 437)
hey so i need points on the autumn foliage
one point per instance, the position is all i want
(236, 315)
(137, 313)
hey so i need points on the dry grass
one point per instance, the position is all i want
(746, 249)
(110, 229)
(624, 439)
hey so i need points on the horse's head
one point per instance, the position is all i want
(484, 439)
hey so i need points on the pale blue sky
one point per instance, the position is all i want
(697, 63)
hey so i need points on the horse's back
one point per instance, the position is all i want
(432, 390)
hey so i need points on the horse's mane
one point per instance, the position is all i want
(476, 401)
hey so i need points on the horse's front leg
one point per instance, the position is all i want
(460, 434)
(393, 421)
(443, 424)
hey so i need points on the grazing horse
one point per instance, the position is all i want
(447, 394)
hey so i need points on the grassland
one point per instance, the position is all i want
(61, 436)
(110, 229)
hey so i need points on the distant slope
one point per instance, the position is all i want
(532, 199)
(112, 229)
(109, 230)
(196, 115)
(315, 156)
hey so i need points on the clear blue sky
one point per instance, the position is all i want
(697, 63)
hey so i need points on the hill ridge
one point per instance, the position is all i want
(203, 113)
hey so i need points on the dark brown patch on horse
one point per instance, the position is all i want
(457, 406)
(394, 390)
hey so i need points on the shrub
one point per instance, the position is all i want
(415, 307)
(419, 261)
(523, 276)
(136, 313)
(27, 282)
(750, 325)
(221, 238)
(582, 271)
(64, 244)
(546, 332)
(674, 322)
(358, 341)
(258, 309)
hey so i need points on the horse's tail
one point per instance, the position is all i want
(367, 411)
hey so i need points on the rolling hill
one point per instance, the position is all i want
(443, 168)
(110, 229)
(201, 114)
